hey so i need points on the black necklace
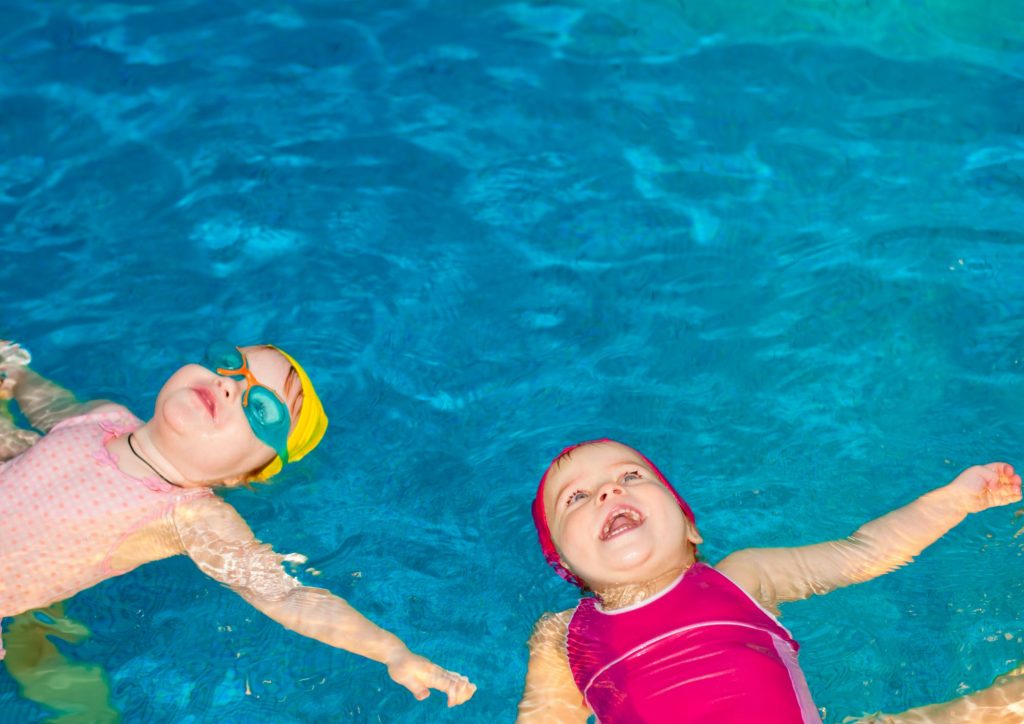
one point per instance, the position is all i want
(147, 464)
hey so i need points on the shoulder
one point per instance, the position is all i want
(99, 407)
(551, 629)
(116, 416)
(548, 644)
(208, 516)
(746, 570)
(739, 564)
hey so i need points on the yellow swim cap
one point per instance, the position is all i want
(309, 428)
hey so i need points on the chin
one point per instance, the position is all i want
(636, 553)
(628, 571)
(174, 415)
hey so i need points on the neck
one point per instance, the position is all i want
(142, 457)
(628, 594)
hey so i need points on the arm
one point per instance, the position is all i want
(777, 575)
(550, 693)
(13, 440)
(216, 537)
(43, 402)
(998, 704)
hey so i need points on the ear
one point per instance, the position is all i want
(693, 535)
(564, 563)
(233, 482)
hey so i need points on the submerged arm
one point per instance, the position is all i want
(44, 403)
(220, 542)
(13, 440)
(550, 693)
(777, 575)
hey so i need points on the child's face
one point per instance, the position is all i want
(612, 520)
(200, 418)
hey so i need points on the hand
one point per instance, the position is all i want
(987, 486)
(13, 354)
(419, 675)
(13, 357)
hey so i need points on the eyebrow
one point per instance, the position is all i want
(564, 487)
(573, 481)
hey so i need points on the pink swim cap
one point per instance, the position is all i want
(540, 516)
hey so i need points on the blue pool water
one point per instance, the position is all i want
(777, 247)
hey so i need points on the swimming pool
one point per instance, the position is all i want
(780, 250)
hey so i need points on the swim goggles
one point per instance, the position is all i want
(266, 412)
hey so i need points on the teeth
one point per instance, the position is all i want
(627, 513)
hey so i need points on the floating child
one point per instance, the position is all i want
(103, 492)
(667, 638)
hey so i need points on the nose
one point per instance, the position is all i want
(607, 490)
(229, 388)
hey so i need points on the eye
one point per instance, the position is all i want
(576, 497)
(259, 408)
(631, 476)
(266, 409)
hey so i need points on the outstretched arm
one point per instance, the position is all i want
(550, 693)
(220, 542)
(13, 440)
(44, 403)
(1001, 703)
(777, 575)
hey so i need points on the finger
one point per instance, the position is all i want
(415, 682)
(1011, 485)
(464, 694)
(1009, 500)
(467, 691)
(459, 689)
(1009, 490)
(463, 690)
(447, 682)
(1000, 469)
(418, 690)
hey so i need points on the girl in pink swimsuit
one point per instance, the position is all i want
(668, 639)
(103, 492)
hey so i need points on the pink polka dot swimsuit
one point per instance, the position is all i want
(65, 507)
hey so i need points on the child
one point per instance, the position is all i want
(102, 493)
(668, 638)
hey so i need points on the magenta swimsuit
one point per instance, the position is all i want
(700, 652)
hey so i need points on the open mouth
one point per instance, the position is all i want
(207, 399)
(621, 520)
